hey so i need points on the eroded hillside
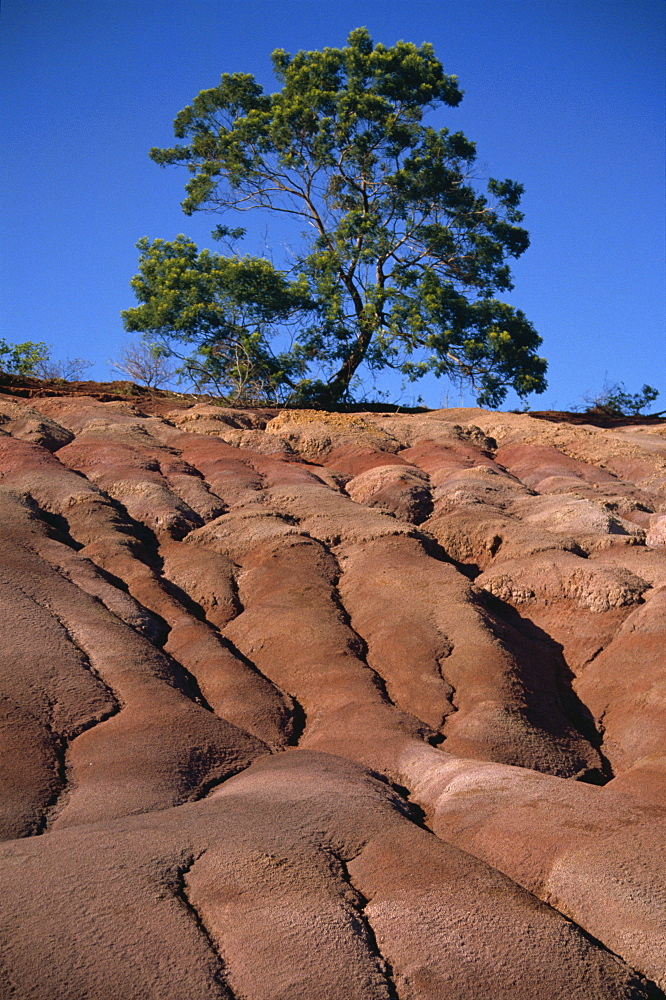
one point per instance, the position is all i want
(317, 706)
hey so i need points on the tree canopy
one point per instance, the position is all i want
(402, 256)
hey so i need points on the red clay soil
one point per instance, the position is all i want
(298, 705)
(159, 401)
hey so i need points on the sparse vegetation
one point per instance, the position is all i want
(69, 370)
(146, 363)
(33, 359)
(614, 401)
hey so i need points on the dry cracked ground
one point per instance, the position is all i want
(310, 706)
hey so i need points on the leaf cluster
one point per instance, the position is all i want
(227, 308)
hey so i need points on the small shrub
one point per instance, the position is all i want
(32, 359)
(23, 359)
(615, 402)
(69, 370)
(145, 363)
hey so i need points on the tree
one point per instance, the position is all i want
(404, 256)
(146, 363)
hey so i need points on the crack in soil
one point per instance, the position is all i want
(219, 976)
(58, 800)
(361, 646)
(366, 930)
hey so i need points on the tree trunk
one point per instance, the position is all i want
(339, 383)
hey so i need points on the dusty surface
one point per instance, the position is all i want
(317, 706)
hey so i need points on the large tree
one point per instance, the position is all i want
(402, 254)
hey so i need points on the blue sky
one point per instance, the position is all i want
(564, 96)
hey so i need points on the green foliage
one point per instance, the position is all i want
(33, 359)
(23, 359)
(227, 308)
(614, 401)
(404, 256)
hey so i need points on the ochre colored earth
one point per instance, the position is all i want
(298, 705)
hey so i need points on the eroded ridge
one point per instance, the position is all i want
(330, 705)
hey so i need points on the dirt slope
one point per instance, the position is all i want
(311, 706)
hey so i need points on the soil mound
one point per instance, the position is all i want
(313, 705)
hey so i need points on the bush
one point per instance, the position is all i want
(22, 359)
(69, 370)
(145, 363)
(32, 359)
(615, 402)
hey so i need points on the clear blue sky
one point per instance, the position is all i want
(565, 96)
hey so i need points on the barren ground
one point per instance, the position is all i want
(298, 705)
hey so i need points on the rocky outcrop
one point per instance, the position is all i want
(345, 706)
